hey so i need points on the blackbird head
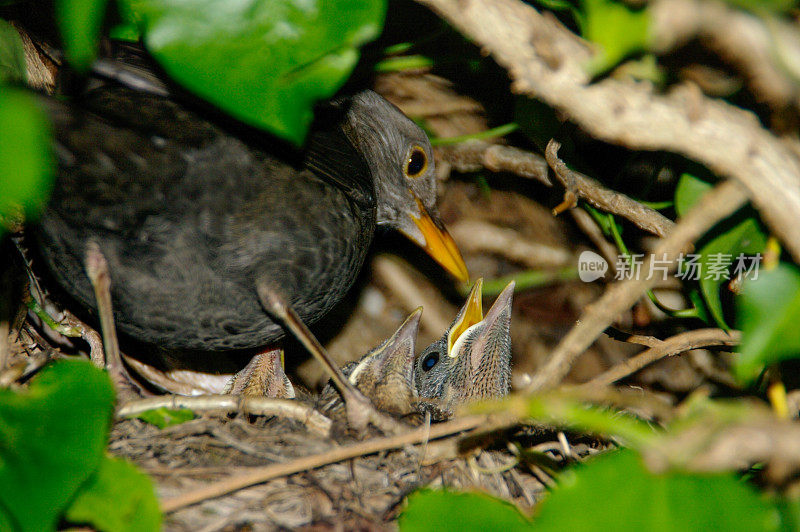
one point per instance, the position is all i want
(472, 360)
(400, 156)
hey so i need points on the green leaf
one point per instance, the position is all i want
(265, 62)
(768, 312)
(52, 438)
(688, 192)
(26, 161)
(616, 492)
(619, 29)
(438, 510)
(165, 417)
(12, 55)
(80, 22)
(117, 498)
(739, 234)
(745, 237)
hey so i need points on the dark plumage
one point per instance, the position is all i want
(472, 360)
(197, 224)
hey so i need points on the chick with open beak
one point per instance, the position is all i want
(472, 360)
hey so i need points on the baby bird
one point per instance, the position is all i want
(385, 375)
(472, 360)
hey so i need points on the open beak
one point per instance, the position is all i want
(439, 244)
(470, 314)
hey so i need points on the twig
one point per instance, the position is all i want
(474, 155)
(260, 406)
(584, 187)
(671, 346)
(717, 204)
(546, 61)
(262, 474)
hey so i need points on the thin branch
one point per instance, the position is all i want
(474, 155)
(584, 187)
(717, 204)
(258, 475)
(546, 61)
(675, 345)
(259, 406)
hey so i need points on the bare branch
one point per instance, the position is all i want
(475, 154)
(675, 345)
(260, 406)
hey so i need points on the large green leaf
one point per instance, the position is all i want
(438, 510)
(12, 55)
(264, 61)
(616, 492)
(117, 498)
(26, 162)
(52, 438)
(80, 22)
(768, 313)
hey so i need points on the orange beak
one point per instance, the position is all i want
(440, 245)
(471, 313)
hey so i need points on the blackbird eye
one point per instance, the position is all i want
(416, 163)
(429, 361)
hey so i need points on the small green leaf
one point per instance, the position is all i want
(438, 510)
(266, 62)
(739, 234)
(688, 192)
(52, 438)
(117, 498)
(724, 245)
(80, 22)
(26, 162)
(12, 55)
(165, 417)
(768, 312)
(616, 492)
(617, 28)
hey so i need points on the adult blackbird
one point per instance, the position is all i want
(208, 235)
(472, 360)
